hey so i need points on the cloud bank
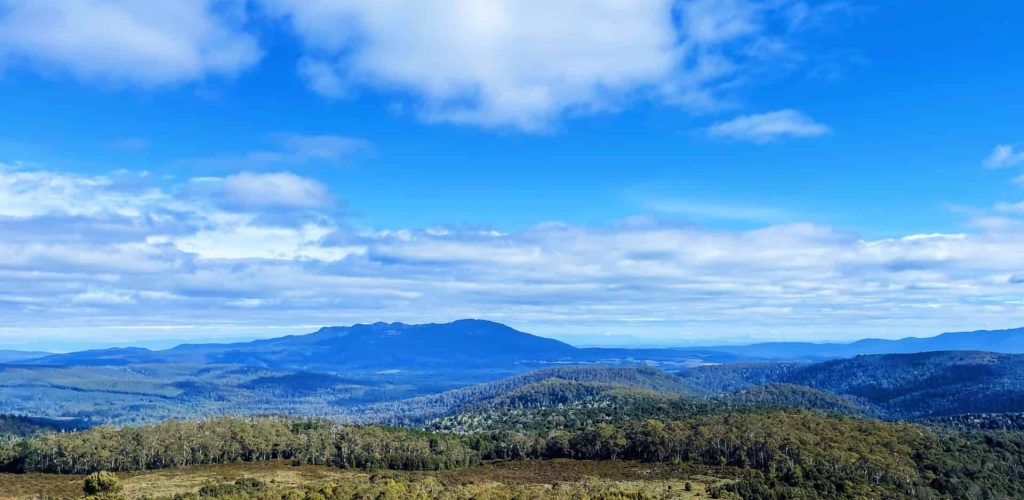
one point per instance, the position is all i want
(119, 257)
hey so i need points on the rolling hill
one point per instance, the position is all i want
(355, 371)
(549, 387)
(924, 384)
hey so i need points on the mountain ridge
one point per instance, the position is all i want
(477, 343)
(1010, 341)
(903, 385)
(465, 343)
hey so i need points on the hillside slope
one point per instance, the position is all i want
(903, 385)
(550, 387)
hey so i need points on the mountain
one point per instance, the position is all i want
(470, 344)
(338, 369)
(464, 344)
(1005, 341)
(914, 385)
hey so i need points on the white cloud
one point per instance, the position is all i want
(117, 253)
(323, 78)
(1005, 155)
(245, 240)
(717, 21)
(523, 64)
(275, 190)
(30, 193)
(148, 44)
(1011, 208)
(767, 127)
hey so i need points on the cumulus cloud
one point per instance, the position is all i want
(33, 193)
(767, 127)
(117, 252)
(523, 64)
(148, 44)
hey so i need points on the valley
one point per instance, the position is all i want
(317, 416)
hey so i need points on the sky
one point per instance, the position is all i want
(609, 172)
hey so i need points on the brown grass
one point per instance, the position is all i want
(563, 470)
(167, 482)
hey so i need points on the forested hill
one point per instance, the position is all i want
(902, 385)
(551, 387)
(770, 455)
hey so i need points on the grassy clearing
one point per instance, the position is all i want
(535, 478)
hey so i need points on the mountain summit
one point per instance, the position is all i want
(468, 343)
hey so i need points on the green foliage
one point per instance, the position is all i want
(797, 396)
(776, 454)
(222, 440)
(594, 413)
(919, 385)
(545, 388)
(431, 488)
(242, 488)
(16, 425)
(978, 421)
(102, 484)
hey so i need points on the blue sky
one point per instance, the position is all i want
(659, 172)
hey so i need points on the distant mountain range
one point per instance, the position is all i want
(412, 372)
(1005, 341)
(10, 356)
(477, 344)
(467, 344)
(464, 343)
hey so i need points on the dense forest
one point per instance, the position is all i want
(897, 386)
(781, 454)
(773, 440)
(223, 440)
(545, 388)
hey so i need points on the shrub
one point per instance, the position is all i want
(102, 483)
